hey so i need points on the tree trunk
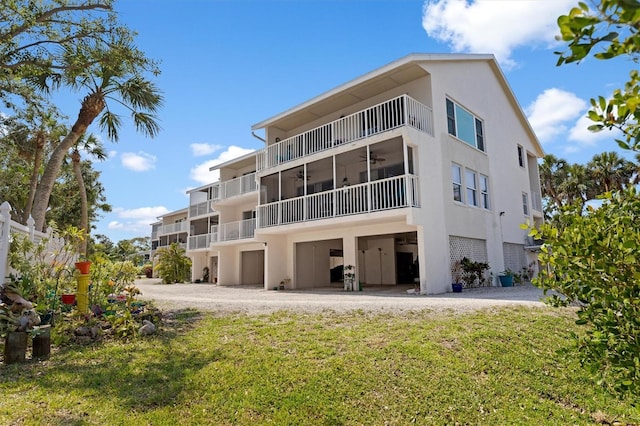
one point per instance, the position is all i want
(33, 181)
(84, 209)
(92, 105)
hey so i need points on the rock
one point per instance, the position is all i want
(83, 331)
(147, 328)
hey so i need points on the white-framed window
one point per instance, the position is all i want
(456, 176)
(484, 192)
(464, 125)
(525, 203)
(471, 181)
(521, 155)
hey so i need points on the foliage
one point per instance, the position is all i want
(565, 184)
(496, 367)
(592, 260)
(44, 270)
(173, 265)
(473, 273)
(613, 26)
(26, 145)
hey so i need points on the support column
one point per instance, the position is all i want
(278, 263)
(350, 257)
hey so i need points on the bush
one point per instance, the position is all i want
(173, 265)
(592, 260)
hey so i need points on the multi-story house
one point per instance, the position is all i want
(170, 228)
(396, 174)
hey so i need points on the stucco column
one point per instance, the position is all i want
(278, 262)
(350, 255)
(226, 263)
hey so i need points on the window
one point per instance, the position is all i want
(525, 203)
(464, 125)
(520, 156)
(484, 192)
(472, 187)
(451, 118)
(456, 172)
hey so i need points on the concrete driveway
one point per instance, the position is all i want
(249, 299)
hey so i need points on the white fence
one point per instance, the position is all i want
(9, 227)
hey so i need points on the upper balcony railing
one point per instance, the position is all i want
(379, 195)
(174, 228)
(388, 115)
(238, 186)
(237, 230)
(200, 209)
(202, 241)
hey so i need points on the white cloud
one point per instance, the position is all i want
(496, 27)
(553, 112)
(581, 134)
(201, 173)
(137, 220)
(138, 162)
(200, 149)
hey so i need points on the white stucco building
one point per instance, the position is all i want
(397, 173)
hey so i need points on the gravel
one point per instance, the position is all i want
(256, 300)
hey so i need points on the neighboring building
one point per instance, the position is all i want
(171, 228)
(398, 173)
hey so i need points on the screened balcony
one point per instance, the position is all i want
(384, 194)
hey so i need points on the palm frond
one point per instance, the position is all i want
(110, 122)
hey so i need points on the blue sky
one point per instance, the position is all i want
(229, 64)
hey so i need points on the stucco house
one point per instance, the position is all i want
(396, 174)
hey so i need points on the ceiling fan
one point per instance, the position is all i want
(373, 158)
(300, 175)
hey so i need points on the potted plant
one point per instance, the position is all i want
(456, 276)
(506, 278)
(83, 266)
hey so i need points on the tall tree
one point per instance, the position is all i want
(115, 76)
(610, 172)
(34, 34)
(92, 145)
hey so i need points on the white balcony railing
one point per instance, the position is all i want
(237, 230)
(384, 194)
(238, 186)
(174, 228)
(400, 111)
(201, 241)
(200, 209)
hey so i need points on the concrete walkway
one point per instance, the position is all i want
(251, 299)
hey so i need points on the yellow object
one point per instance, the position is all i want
(82, 296)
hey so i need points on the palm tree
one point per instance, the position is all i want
(115, 78)
(610, 171)
(92, 145)
(553, 172)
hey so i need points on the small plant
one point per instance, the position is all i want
(456, 272)
(473, 273)
(205, 274)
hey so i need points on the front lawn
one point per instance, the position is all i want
(508, 366)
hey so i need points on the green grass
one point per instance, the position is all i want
(511, 366)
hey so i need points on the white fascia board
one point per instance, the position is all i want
(235, 160)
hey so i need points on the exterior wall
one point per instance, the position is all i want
(301, 251)
(469, 86)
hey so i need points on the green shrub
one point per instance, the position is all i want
(592, 259)
(173, 265)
